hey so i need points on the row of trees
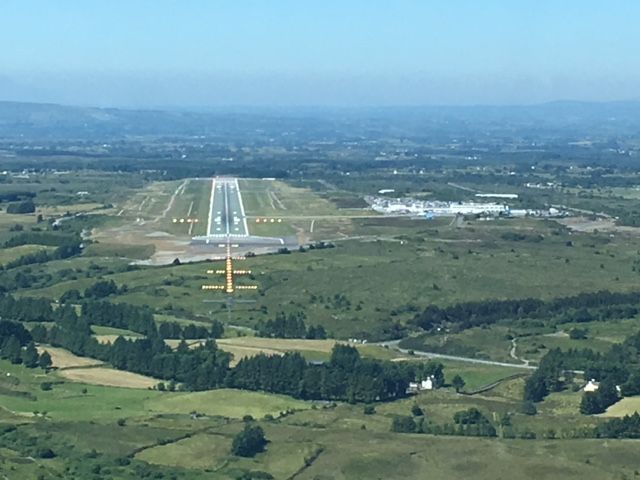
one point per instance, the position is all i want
(602, 305)
(346, 376)
(625, 427)
(65, 250)
(290, 326)
(51, 239)
(26, 206)
(200, 368)
(17, 346)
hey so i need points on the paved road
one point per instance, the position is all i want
(226, 215)
(394, 344)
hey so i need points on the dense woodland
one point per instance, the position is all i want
(585, 307)
(346, 376)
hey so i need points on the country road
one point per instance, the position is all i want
(394, 345)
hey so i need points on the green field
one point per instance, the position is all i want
(312, 441)
(275, 208)
(398, 271)
(10, 254)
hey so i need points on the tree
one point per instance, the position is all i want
(45, 360)
(12, 350)
(528, 408)
(535, 388)
(21, 207)
(369, 410)
(403, 424)
(416, 411)
(590, 404)
(249, 442)
(458, 383)
(578, 333)
(30, 355)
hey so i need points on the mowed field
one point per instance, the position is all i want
(626, 406)
(109, 377)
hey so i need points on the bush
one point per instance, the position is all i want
(249, 442)
(403, 424)
(369, 410)
(21, 207)
(528, 408)
(45, 453)
(578, 334)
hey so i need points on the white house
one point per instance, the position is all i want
(426, 384)
(591, 386)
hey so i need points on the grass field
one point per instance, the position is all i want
(294, 210)
(282, 459)
(226, 403)
(314, 350)
(9, 254)
(109, 377)
(397, 274)
(320, 441)
(626, 406)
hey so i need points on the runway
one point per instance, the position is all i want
(226, 211)
(227, 222)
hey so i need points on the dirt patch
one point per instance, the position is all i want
(277, 344)
(62, 358)
(588, 225)
(585, 224)
(244, 352)
(109, 377)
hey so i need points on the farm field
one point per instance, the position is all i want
(109, 377)
(626, 406)
(316, 350)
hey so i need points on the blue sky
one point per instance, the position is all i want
(324, 52)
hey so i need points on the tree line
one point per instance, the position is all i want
(125, 316)
(25, 206)
(290, 326)
(17, 346)
(584, 307)
(346, 376)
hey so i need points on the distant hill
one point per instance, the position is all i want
(51, 121)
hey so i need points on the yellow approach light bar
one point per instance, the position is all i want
(229, 273)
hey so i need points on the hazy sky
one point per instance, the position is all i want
(318, 52)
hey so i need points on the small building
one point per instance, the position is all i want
(426, 384)
(591, 386)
